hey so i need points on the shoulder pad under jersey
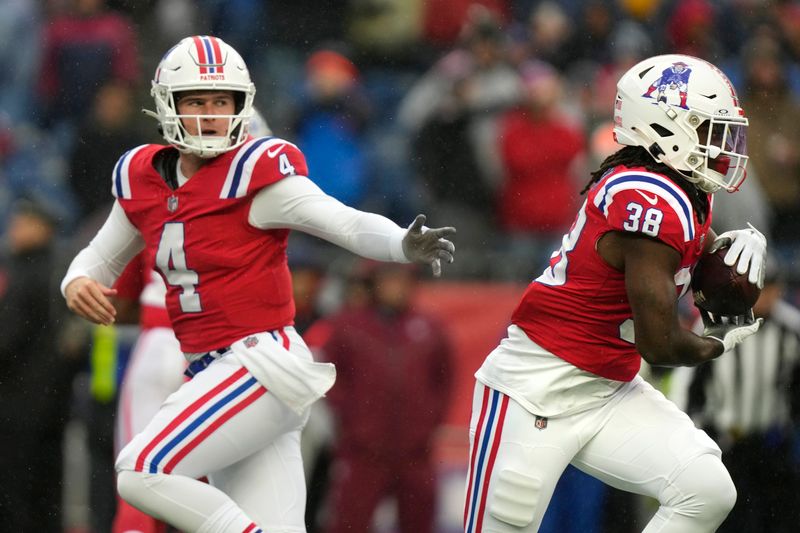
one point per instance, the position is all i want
(261, 162)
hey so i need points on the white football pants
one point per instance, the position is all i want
(223, 425)
(638, 441)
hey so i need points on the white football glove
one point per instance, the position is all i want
(729, 331)
(428, 245)
(749, 247)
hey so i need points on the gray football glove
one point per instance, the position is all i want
(428, 245)
(729, 331)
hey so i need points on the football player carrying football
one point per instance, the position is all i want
(562, 387)
(215, 206)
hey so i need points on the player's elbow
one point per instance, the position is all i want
(655, 353)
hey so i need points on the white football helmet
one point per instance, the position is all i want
(202, 63)
(685, 112)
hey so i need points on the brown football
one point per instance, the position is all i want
(719, 289)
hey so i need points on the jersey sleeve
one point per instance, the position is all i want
(121, 183)
(261, 162)
(650, 205)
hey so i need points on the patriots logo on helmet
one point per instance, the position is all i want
(675, 78)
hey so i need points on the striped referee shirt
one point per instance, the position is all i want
(751, 389)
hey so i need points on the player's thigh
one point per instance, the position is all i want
(268, 485)
(644, 444)
(154, 372)
(514, 467)
(218, 418)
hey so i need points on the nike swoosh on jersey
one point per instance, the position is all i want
(275, 151)
(651, 201)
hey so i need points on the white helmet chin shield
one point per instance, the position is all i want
(202, 63)
(685, 112)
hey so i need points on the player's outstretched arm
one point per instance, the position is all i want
(298, 203)
(88, 299)
(429, 245)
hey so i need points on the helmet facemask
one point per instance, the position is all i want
(718, 160)
(175, 132)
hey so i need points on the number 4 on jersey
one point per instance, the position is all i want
(171, 260)
(285, 165)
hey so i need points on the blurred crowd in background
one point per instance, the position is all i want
(487, 115)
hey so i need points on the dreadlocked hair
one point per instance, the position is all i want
(638, 156)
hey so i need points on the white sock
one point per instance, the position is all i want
(228, 519)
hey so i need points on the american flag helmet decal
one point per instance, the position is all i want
(209, 55)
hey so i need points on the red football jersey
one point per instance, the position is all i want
(225, 279)
(578, 308)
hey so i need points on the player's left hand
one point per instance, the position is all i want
(429, 245)
(729, 331)
(749, 247)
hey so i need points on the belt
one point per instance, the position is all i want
(202, 362)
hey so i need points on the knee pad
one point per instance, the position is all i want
(704, 488)
(514, 498)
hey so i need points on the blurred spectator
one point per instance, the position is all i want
(444, 20)
(788, 22)
(591, 40)
(773, 136)
(541, 149)
(451, 114)
(308, 277)
(386, 30)
(749, 402)
(103, 137)
(747, 205)
(35, 377)
(630, 43)
(330, 126)
(82, 49)
(240, 23)
(394, 372)
(691, 30)
(20, 22)
(294, 28)
(642, 11)
(32, 166)
(547, 33)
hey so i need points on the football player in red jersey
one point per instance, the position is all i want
(215, 206)
(562, 387)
